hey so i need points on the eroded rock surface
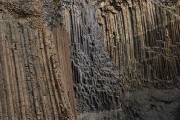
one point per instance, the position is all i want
(142, 38)
(35, 79)
(123, 57)
(35, 62)
(98, 89)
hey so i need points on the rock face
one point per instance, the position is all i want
(96, 80)
(89, 60)
(142, 38)
(35, 62)
(35, 70)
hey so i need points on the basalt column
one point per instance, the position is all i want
(35, 70)
(98, 89)
(142, 38)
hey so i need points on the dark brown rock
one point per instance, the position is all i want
(142, 38)
(36, 79)
(123, 57)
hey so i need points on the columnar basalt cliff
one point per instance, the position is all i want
(142, 38)
(35, 70)
(35, 61)
(98, 89)
(89, 60)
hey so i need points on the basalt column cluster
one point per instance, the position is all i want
(98, 89)
(123, 57)
(35, 70)
(37, 38)
(142, 38)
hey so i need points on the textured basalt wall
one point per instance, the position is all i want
(122, 55)
(35, 70)
(35, 62)
(142, 38)
(98, 89)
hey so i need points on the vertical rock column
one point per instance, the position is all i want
(35, 78)
(61, 40)
(98, 89)
(142, 38)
